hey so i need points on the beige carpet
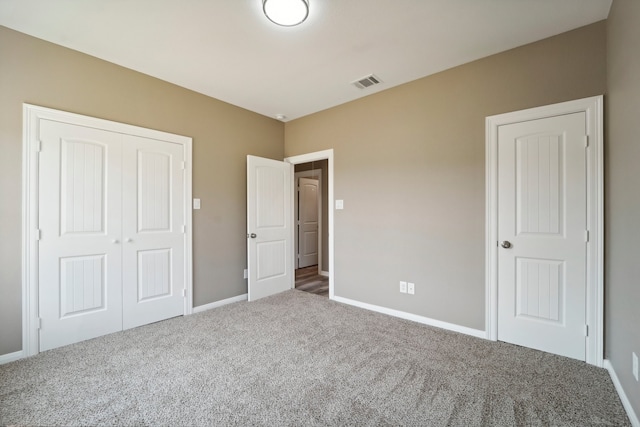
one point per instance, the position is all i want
(298, 359)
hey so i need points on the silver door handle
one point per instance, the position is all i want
(506, 244)
(128, 240)
(116, 241)
(252, 235)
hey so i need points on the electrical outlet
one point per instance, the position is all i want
(411, 288)
(634, 361)
(246, 273)
(403, 287)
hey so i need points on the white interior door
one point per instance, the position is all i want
(153, 231)
(542, 214)
(308, 217)
(80, 285)
(269, 226)
(113, 243)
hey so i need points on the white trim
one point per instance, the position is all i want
(413, 317)
(188, 255)
(304, 174)
(324, 273)
(11, 357)
(216, 304)
(29, 225)
(593, 108)
(310, 157)
(633, 417)
(32, 114)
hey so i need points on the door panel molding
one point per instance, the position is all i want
(32, 116)
(593, 109)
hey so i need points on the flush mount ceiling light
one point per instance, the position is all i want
(287, 13)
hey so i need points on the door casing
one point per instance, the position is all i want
(312, 157)
(593, 108)
(32, 114)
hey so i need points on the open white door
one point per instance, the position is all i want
(269, 226)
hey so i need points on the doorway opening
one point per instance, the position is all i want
(308, 280)
(310, 225)
(313, 221)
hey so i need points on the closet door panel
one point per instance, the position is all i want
(80, 287)
(153, 231)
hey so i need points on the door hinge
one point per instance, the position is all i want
(586, 141)
(183, 165)
(39, 323)
(184, 293)
(38, 234)
(184, 229)
(586, 330)
(586, 236)
(38, 146)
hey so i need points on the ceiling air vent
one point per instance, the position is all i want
(367, 81)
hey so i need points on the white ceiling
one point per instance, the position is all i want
(227, 49)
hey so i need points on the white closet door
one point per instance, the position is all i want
(153, 233)
(80, 289)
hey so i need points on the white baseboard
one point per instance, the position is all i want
(11, 357)
(220, 303)
(324, 273)
(635, 422)
(414, 317)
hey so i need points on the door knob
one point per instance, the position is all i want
(253, 235)
(128, 240)
(116, 241)
(506, 244)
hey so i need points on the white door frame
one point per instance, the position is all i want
(593, 109)
(32, 114)
(306, 174)
(312, 157)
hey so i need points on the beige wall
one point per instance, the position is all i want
(45, 74)
(409, 164)
(622, 184)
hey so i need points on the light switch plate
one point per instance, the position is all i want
(196, 203)
(411, 288)
(339, 204)
(403, 287)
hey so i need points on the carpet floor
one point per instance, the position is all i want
(297, 359)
